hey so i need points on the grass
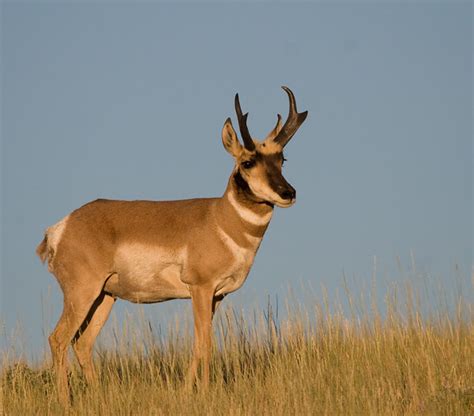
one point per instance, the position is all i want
(316, 361)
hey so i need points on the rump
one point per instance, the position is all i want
(47, 248)
(42, 249)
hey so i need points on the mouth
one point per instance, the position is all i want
(285, 203)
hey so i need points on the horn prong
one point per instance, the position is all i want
(293, 121)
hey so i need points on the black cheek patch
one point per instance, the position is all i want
(242, 183)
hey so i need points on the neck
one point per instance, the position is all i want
(247, 205)
(241, 215)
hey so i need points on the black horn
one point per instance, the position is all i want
(293, 122)
(244, 131)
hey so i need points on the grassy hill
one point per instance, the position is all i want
(317, 361)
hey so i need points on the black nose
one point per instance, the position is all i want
(289, 193)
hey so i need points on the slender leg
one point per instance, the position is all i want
(76, 307)
(84, 340)
(203, 306)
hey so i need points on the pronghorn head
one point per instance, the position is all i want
(258, 164)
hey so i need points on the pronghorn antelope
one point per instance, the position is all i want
(147, 251)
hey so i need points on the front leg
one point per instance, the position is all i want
(204, 305)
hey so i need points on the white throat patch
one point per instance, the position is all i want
(247, 214)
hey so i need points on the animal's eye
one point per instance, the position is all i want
(248, 164)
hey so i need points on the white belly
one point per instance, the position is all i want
(146, 274)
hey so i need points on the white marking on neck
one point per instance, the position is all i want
(238, 267)
(255, 241)
(239, 253)
(247, 214)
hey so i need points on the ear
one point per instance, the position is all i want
(230, 140)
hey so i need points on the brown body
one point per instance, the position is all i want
(147, 251)
(152, 251)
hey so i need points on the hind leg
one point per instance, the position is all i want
(84, 340)
(77, 304)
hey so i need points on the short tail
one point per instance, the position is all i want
(42, 249)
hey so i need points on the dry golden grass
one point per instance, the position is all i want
(315, 362)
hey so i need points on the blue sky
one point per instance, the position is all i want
(128, 101)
